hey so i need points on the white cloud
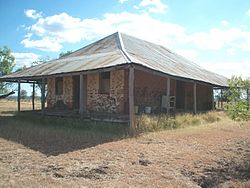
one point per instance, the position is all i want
(216, 39)
(248, 12)
(224, 23)
(122, 1)
(25, 59)
(154, 6)
(44, 44)
(31, 13)
(54, 30)
(231, 51)
(228, 69)
(50, 33)
(188, 53)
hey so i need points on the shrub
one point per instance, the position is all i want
(238, 107)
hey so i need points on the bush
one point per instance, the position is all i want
(238, 107)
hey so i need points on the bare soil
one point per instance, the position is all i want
(214, 155)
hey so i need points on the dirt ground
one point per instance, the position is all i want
(215, 155)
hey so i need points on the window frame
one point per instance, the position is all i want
(104, 78)
(59, 85)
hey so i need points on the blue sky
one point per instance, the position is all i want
(214, 34)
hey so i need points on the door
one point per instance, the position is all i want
(180, 95)
(76, 92)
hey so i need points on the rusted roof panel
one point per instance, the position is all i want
(72, 64)
(115, 50)
(161, 59)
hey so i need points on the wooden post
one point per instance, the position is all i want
(248, 100)
(221, 99)
(33, 97)
(43, 95)
(131, 99)
(18, 96)
(195, 99)
(212, 97)
(168, 95)
(81, 103)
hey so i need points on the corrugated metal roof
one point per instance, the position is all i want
(118, 49)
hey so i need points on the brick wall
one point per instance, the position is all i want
(56, 101)
(149, 89)
(112, 102)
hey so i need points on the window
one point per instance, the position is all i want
(59, 86)
(104, 83)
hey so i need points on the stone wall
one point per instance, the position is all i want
(60, 101)
(112, 102)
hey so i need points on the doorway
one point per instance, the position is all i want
(180, 95)
(76, 92)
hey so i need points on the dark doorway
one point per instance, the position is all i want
(76, 92)
(180, 95)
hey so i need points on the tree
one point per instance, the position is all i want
(21, 68)
(238, 107)
(34, 95)
(40, 61)
(63, 54)
(6, 66)
(23, 94)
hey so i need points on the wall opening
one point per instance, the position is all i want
(59, 86)
(104, 83)
(180, 94)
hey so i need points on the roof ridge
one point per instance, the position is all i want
(121, 47)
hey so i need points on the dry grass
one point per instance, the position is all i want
(149, 123)
(40, 151)
(10, 106)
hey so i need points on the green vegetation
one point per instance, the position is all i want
(63, 54)
(6, 65)
(238, 107)
(23, 94)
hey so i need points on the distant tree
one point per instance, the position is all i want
(62, 54)
(238, 107)
(23, 94)
(21, 68)
(32, 94)
(6, 66)
(40, 61)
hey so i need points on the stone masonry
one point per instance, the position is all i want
(65, 99)
(112, 102)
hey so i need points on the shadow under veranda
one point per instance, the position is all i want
(55, 135)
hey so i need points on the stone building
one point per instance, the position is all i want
(122, 75)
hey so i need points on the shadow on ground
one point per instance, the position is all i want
(54, 136)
